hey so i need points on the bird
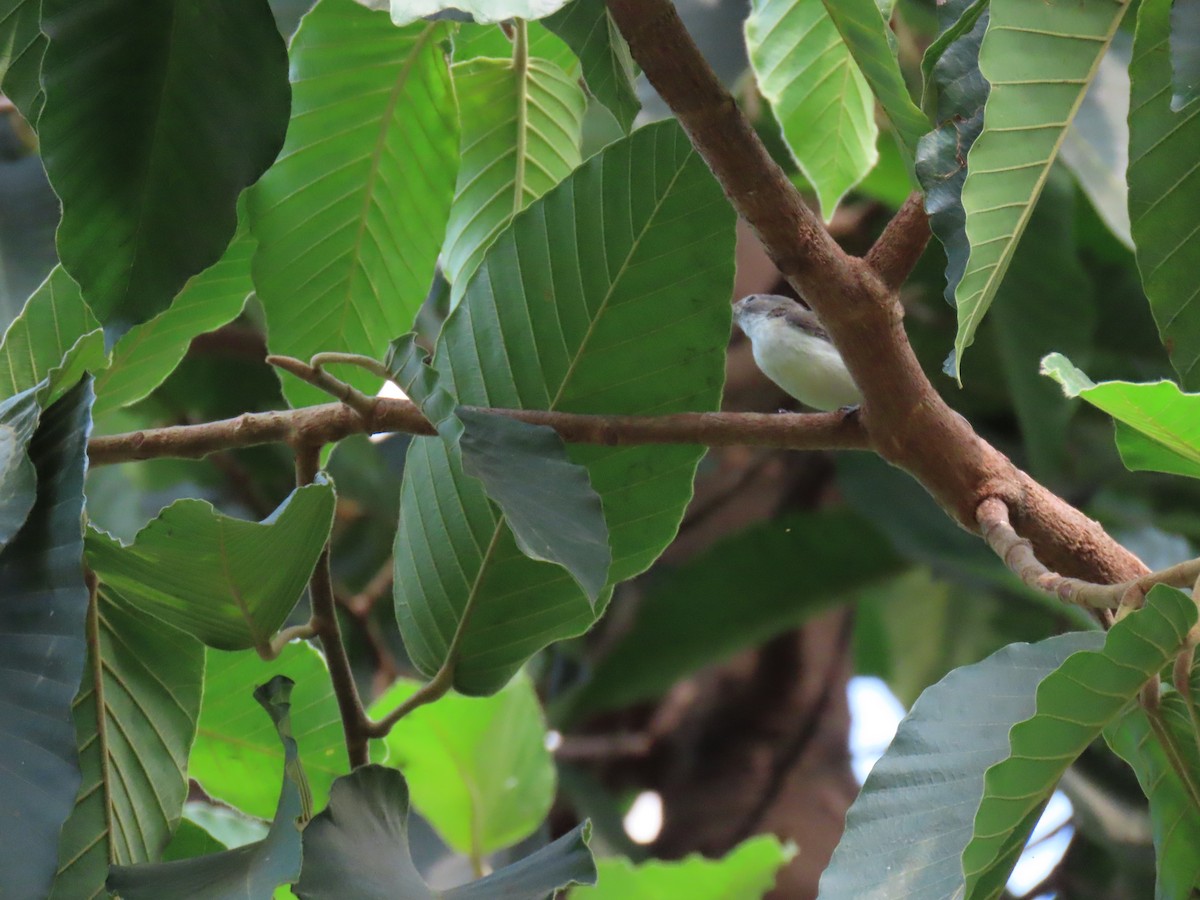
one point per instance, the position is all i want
(793, 349)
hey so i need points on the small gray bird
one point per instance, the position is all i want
(793, 350)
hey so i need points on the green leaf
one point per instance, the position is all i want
(608, 68)
(522, 129)
(55, 323)
(1164, 193)
(478, 768)
(254, 870)
(817, 92)
(1158, 425)
(748, 870)
(18, 478)
(634, 252)
(43, 605)
(228, 582)
(955, 93)
(1096, 147)
(906, 831)
(1038, 74)
(956, 20)
(737, 594)
(548, 501)
(483, 11)
(228, 826)
(144, 357)
(472, 41)
(137, 94)
(1074, 703)
(1185, 53)
(1174, 815)
(190, 840)
(362, 839)
(135, 717)
(27, 252)
(350, 219)
(1028, 326)
(234, 746)
(865, 33)
(22, 45)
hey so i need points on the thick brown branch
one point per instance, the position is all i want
(906, 420)
(333, 421)
(902, 243)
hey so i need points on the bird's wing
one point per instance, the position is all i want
(805, 319)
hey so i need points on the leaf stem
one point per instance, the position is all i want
(521, 71)
(1174, 756)
(374, 366)
(319, 378)
(324, 623)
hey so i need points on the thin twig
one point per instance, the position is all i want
(334, 387)
(332, 422)
(1018, 555)
(285, 637)
(325, 624)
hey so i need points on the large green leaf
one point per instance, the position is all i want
(150, 133)
(350, 219)
(907, 829)
(614, 295)
(144, 357)
(55, 323)
(362, 839)
(18, 478)
(234, 746)
(472, 41)
(547, 500)
(1158, 426)
(251, 871)
(817, 92)
(477, 767)
(1045, 304)
(737, 594)
(22, 44)
(228, 582)
(27, 252)
(43, 606)
(866, 34)
(1164, 193)
(1185, 54)
(1174, 814)
(1096, 147)
(1038, 73)
(135, 717)
(1074, 703)
(522, 127)
(405, 11)
(955, 94)
(608, 68)
(746, 871)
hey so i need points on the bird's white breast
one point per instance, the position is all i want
(807, 367)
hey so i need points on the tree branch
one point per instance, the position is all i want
(1018, 555)
(333, 421)
(901, 244)
(324, 624)
(907, 422)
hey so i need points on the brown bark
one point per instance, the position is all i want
(907, 422)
